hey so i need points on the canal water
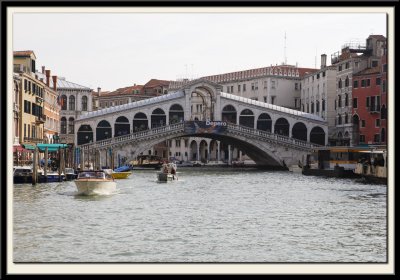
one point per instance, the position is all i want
(207, 215)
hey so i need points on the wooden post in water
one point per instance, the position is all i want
(46, 156)
(35, 167)
(59, 165)
(82, 159)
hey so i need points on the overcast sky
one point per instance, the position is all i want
(111, 50)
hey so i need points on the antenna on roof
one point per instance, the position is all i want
(285, 49)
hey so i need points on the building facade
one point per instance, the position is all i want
(318, 93)
(30, 124)
(354, 58)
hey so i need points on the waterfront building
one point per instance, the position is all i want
(29, 91)
(318, 93)
(369, 104)
(353, 58)
(73, 99)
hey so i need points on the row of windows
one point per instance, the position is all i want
(72, 103)
(32, 108)
(314, 106)
(254, 86)
(33, 88)
(63, 125)
(32, 131)
(105, 104)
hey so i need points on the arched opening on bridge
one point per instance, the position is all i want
(140, 122)
(282, 127)
(158, 118)
(299, 131)
(176, 114)
(103, 130)
(202, 104)
(85, 134)
(317, 136)
(246, 118)
(264, 122)
(229, 114)
(214, 150)
(203, 151)
(193, 151)
(224, 151)
(121, 126)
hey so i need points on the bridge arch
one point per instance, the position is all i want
(281, 127)
(158, 118)
(246, 118)
(121, 126)
(103, 130)
(264, 122)
(176, 114)
(85, 134)
(317, 135)
(299, 131)
(140, 122)
(229, 114)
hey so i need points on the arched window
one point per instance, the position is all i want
(346, 82)
(63, 102)
(339, 119)
(63, 124)
(340, 83)
(339, 101)
(71, 126)
(84, 103)
(72, 103)
(346, 118)
(229, 114)
(346, 99)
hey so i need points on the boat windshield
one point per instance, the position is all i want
(91, 175)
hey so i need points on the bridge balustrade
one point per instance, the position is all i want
(179, 127)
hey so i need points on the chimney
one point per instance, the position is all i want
(98, 90)
(48, 78)
(43, 69)
(55, 83)
(323, 61)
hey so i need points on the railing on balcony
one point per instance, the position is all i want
(40, 119)
(33, 140)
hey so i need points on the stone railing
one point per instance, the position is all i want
(271, 137)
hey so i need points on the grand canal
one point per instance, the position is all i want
(208, 215)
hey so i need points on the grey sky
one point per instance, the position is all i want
(111, 50)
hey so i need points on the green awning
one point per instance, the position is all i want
(42, 147)
(51, 147)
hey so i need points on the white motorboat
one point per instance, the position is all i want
(92, 182)
(168, 172)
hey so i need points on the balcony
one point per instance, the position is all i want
(374, 109)
(19, 68)
(33, 140)
(40, 119)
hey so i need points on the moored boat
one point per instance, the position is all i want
(146, 162)
(372, 166)
(22, 174)
(92, 182)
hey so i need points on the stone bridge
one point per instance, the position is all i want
(271, 135)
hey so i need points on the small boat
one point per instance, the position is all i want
(91, 182)
(372, 166)
(70, 174)
(146, 162)
(117, 174)
(51, 177)
(22, 174)
(168, 172)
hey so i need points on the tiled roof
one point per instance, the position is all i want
(61, 83)
(155, 83)
(24, 53)
(278, 70)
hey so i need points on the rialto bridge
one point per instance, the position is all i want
(271, 135)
